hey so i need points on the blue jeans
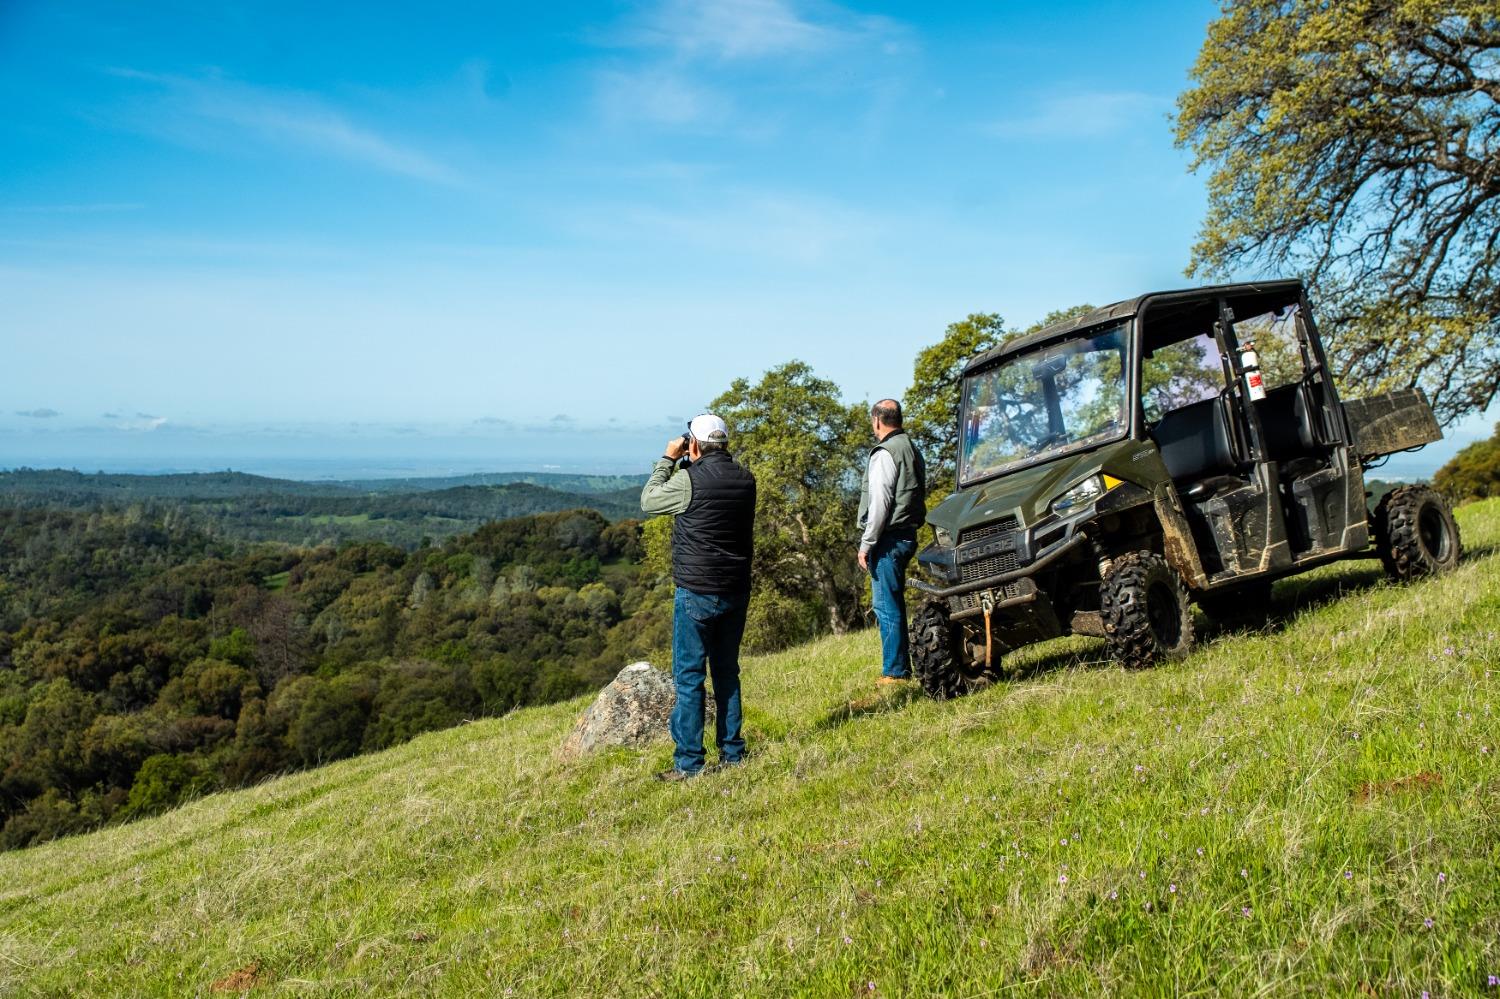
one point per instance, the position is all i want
(888, 561)
(707, 627)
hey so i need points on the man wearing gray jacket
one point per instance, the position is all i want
(713, 547)
(892, 505)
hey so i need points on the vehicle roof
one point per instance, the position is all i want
(1117, 311)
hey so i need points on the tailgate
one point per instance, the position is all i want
(1391, 422)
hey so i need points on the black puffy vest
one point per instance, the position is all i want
(714, 538)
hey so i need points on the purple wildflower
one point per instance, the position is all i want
(1245, 911)
(1062, 879)
(1172, 888)
(1200, 851)
(1348, 875)
(1442, 877)
(1427, 922)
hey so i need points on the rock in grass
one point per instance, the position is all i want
(632, 710)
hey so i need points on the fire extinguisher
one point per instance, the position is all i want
(1250, 365)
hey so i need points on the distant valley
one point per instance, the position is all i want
(242, 507)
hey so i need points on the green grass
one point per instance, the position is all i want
(277, 581)
(1278, 814)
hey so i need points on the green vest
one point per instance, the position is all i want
(909, 505)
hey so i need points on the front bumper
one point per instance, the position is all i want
(1072, 541)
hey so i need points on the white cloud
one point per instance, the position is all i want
(731, 29)
(143, 422)
(776, 226)
(277, 117)
(687, 56)
(659, 96)
(751, 29)
(1079, 116)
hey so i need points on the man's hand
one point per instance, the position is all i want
(676, 448)
(864, 560)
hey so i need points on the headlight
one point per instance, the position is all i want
(943, 537)
(1085, 492)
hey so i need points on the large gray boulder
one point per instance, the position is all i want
(633, 710)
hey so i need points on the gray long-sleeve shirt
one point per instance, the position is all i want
(882, 498)
(668, 491)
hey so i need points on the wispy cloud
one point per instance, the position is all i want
(1084, 115)
(142, 422)
(38, 414)
(659, 96)
(280, 117)
(680, 45)
(727, 29)
(751, 29)
(776, 226)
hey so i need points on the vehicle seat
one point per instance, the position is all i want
(1196, 441)
(1286, 424)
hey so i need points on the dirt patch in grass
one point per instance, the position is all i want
(1043, 955)
(1424, 781)
(242, 980)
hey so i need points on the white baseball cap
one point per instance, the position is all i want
(709, 429)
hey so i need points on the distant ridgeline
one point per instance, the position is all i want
(145, 659)
(401, 512)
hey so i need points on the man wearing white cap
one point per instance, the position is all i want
(713, 541)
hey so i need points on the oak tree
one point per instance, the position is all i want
(1357, 144)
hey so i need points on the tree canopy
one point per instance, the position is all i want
(807, 450)
(1358, 145)
(932, 401)
(1473, 473)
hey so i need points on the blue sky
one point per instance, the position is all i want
(505, 235)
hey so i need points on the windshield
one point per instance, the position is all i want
(1055, 399)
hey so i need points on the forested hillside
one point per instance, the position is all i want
(237, 506)
(143, 660)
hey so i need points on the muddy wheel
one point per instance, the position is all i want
(1415, 533)
(1246, 604)
(1145, 611)
(935, 654)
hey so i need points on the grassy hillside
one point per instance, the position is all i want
(1311, 809)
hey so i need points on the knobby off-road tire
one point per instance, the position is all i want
(934, 654)
(1415, 533)
(1145, 610)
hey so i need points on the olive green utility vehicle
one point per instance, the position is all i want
(1181, 447)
